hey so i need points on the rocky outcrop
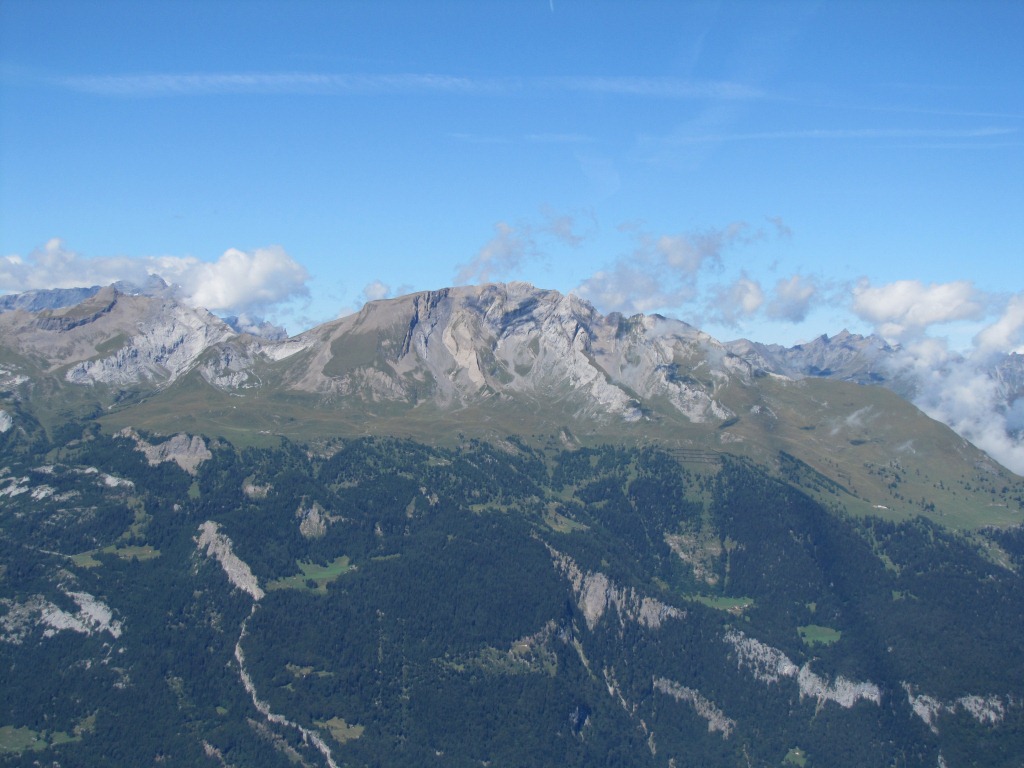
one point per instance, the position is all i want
(597, 594)
(219, 546)
(162, 347)
(312, 521)
(717, 720)
(987, 710)
(92, 617)
(770, 665)
(308, 735)
(188, 452)
(113, 338)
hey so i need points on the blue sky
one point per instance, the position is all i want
(763, 170)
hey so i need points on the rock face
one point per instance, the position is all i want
(770, 665)
(185, 451)
(215, 544)
(597, 594)
(461, 346)
(20, 618)
(717, 720)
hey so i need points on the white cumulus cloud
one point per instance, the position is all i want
(1007, 333)
(906, 308)
(239, 281)
(55, 266)
(376, 291)
(245, 279)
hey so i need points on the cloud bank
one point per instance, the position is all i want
(967, 394)
(238, 281)
(966, 390)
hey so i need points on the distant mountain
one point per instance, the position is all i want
(867, 360)
(154, 286)
(845, 356)
(255, 326)
(52, 298)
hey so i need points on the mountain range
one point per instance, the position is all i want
(491, 526)
(489, 361)
(507, 311)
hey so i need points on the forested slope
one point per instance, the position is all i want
(383, 602)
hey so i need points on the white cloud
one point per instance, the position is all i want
(54, 266)
(630, 289)
(238, 281)
(740, 299)
(906, 308)
(561, 228)
(655, 87)
(959, 390)
(782, 229)
(502, 254)
(1007, 333)
(662, 272)
(853, 134)
(376, 291)
(207, 83)
(689, 252)
(245, 279)
(962, 393)
(512, 246)
(793, 298)
(178, 84)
